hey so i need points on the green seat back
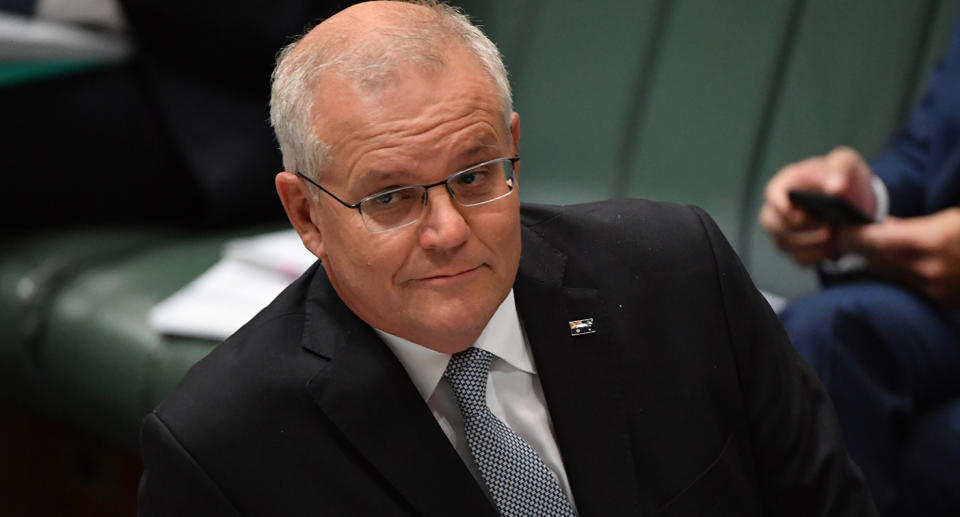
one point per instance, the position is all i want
(701, 102)
(15, 72)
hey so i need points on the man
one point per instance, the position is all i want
(621, 364)
(886, 342)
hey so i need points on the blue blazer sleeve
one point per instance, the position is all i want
(921, 167)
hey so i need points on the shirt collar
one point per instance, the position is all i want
(503, 337)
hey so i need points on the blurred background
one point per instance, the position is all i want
(134, 146)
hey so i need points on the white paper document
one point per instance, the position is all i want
(31, 39)
(252, 272)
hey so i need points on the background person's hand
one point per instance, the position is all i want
(807, 239)
(920, 252)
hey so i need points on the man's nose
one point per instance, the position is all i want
(443, 225)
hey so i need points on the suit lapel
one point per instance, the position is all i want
(364, 390)
(577, 373)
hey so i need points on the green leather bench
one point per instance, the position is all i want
(21, 71)
(691, 101)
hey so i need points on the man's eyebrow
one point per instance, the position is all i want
(480, 148)
(476, 153)
(382, 178)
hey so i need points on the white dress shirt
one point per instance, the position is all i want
(514, 393)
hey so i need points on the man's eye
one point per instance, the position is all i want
(389, 199)
(472, 177)
(386, 199)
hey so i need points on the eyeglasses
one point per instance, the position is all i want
(398, 207)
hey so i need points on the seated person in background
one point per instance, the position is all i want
(621, 364)
(174, 134)
(886, 343)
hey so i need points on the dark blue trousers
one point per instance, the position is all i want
(891, 362)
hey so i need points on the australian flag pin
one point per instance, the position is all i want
(582, 327)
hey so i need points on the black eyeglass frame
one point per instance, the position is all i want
(513, 163)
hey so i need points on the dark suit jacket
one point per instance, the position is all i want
(688, 400)
(921, 167)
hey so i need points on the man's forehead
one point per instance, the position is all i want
(471, 149)
(417, 163)
(345, 107)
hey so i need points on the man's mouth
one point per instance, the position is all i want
(449, 276)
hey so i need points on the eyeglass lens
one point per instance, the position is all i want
(477, 185)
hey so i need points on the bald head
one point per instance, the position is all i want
(369, 41)
(364, 47)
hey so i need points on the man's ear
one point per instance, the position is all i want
(298, 202)
(515, 132)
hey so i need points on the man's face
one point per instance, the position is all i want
(438, 281)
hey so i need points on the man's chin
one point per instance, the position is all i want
(450, 326)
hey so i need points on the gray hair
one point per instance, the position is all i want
(417, 41)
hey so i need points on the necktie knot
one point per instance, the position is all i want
(467, 374)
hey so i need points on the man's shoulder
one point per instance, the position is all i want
(619, 223)
(627, 210)
(263, 356)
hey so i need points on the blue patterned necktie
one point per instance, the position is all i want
(517, 479)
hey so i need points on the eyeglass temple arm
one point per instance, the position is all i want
(327, 192)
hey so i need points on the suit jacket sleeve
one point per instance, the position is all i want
(802, 466)
(185, 488)
(921, 167)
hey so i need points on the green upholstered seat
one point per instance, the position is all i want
(34, 269)
(98, 347)
(13, 72)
